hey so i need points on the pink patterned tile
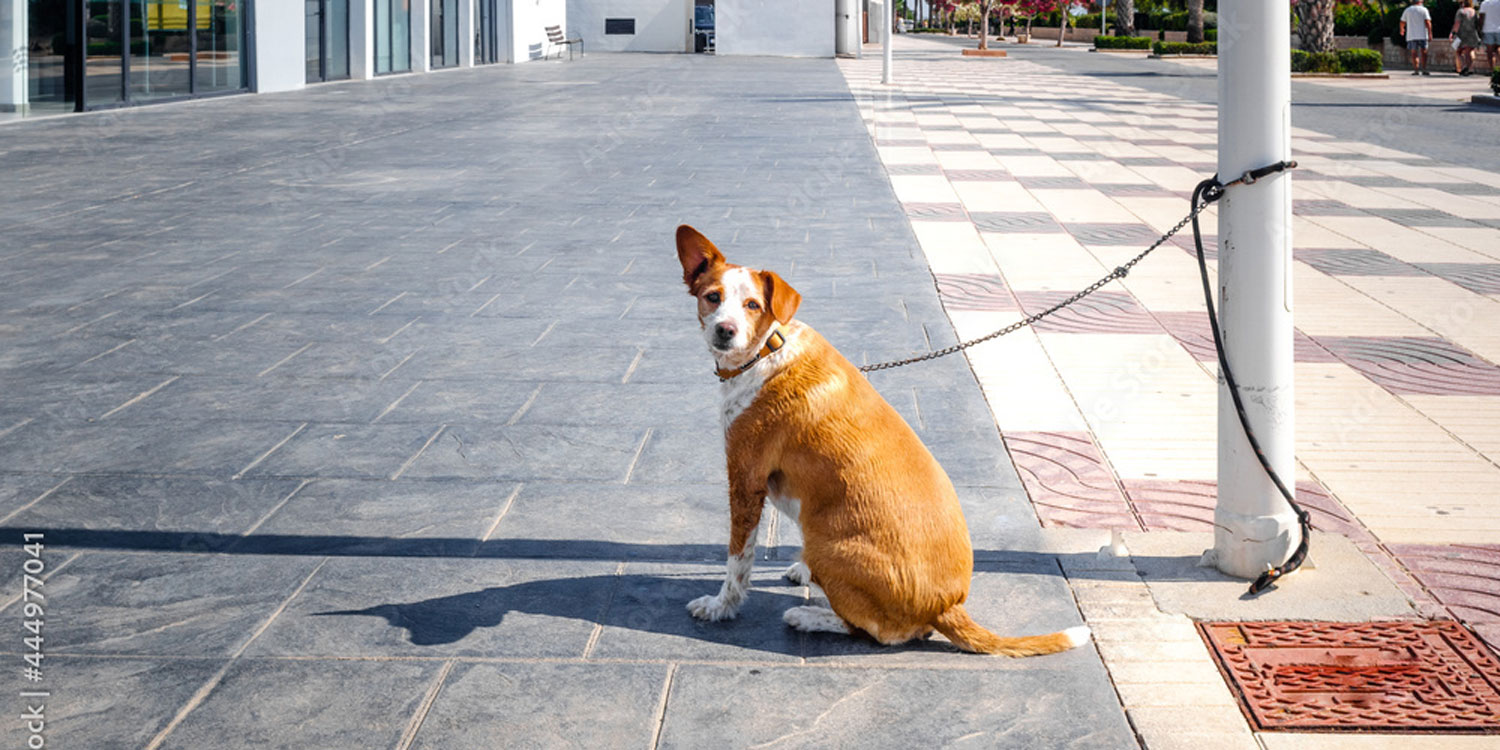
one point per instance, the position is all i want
(1465, 578)
(1068, 481)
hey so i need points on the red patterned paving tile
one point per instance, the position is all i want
(1100, 312)
(1394, 676)
(1465, 578)
(974, 292)
(1190, 328)
(1068, 481)
(1188, 505)
(1416, 364)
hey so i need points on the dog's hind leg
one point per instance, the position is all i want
(815, 620)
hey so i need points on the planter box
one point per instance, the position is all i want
(1192, 57)
(1127, 52)
(984, 53)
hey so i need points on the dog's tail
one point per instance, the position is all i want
(970, 636)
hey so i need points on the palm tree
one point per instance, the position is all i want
(1195, 21)
(1125, 17)
(1315, 25)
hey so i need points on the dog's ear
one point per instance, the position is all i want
(696, 253)
(781, 298)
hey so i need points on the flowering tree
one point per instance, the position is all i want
(944, 10)
(1027, 11)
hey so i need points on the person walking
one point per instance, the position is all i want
(1489, 29)
(1465, 37)
(1416, 26)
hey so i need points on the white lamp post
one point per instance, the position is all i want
(1253, 527)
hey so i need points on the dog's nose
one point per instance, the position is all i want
(724, 331)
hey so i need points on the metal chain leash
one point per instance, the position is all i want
(1202, 200)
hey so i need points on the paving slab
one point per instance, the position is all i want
(1341, 584)
(882, 708)
(291, 703)
(542, 705)
(113, 703)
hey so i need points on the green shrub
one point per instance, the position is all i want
(1210, 35)
(1354, 20)
(1185, 48)
(1495, 81)
(1315, 62)
(1122, 42)
(1360, 61)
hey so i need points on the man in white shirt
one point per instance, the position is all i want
(1416, 26)
(1489, 29)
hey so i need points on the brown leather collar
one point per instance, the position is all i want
(773, 342)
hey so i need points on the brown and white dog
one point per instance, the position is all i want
(883, 534)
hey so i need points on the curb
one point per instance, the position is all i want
(1341, 75)
(1485, 100)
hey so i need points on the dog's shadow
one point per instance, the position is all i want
(637, 612)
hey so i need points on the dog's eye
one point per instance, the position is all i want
(753, 305)
(712, 297)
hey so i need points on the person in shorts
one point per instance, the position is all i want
(1489, 29)
(1465, 38)
(1416, 26)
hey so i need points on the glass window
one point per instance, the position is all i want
(382, 36)
(160, 50)
(312, 35)
(400, 35)
(104, 52)
(219, 25)
(50, 38)
(337, 21)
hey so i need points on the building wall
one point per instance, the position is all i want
(528, 22)
(280, 46)
(13, 50)
(660, 25)
(787, 28)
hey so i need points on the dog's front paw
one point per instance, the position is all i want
(712, 608)
(798, 573)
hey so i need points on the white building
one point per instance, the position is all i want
(76, 55)
(787, 28)
(73, 55)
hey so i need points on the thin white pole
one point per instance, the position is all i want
(1254, 528)
(885, 34)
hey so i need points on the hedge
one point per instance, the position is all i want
(1122, 42)
(1185, 48)
(1343, 61)
(1361, 61)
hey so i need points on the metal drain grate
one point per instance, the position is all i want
(1404, 676)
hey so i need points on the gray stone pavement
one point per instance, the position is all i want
(375, 416)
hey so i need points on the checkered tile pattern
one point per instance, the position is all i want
(1109, 411)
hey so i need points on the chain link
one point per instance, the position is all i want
(1119, 273)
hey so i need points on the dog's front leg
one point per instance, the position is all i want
(744, 523)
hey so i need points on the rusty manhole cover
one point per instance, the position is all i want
(1373, 676)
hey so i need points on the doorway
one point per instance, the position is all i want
(487, 48)
(327, 32)
(703, 25)
(443, 33)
